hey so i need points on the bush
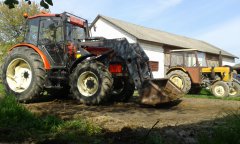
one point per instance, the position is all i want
(3, 51)
(4, 47)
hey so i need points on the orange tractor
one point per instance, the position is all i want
(58, 55)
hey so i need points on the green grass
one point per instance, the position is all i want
(226, 133)
(17, 124)
(206, 94)
(2, 92)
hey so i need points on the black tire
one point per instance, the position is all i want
(24, 58)
(95, 80)
(123, 89)
(234, 90)
(195, 90)
(185, 81)
(220, 89)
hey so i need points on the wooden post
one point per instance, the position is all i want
(220, 58)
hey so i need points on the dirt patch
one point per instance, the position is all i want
(173, 120)
(115, 117)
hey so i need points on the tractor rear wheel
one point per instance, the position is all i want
(181, 80)
(123, 89)
(23, 73)
(91, 82)
(234, 90)
(220, 89)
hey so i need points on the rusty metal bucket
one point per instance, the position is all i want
(157, 91)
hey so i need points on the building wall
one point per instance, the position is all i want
(105, 29)
(213, 60)
(155, 53)
(228, 61)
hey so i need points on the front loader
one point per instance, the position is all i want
(58, 55)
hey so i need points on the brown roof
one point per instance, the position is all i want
(153, 35)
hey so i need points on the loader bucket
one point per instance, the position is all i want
(157, 91)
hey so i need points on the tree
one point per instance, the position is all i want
(12, 21)
(44, 3)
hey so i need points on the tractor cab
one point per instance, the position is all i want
(187, 58)
(55, 35)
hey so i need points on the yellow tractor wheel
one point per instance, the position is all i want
(181, 80)
(220, 89)
(234, 90)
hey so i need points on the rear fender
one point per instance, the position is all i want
(176, 68)
(46, 63)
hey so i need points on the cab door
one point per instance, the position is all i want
(51, 40)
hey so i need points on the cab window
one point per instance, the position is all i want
(32, 31)
(51, 31)
(75, 33)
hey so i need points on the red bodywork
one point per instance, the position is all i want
(73, 20)
(76, 21)
(96, 51)
(113, 68)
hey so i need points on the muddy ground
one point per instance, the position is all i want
(177, 122)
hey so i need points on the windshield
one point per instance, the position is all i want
(75, 33)
(186, 59)
(51, 31)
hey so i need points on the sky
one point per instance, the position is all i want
(214, 21)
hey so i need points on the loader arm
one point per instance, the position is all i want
(132, 54)
(134, 57)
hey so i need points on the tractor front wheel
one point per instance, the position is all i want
(234, 90)
(220, 89)
(23, 73)
(91, 82)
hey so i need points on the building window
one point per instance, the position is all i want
(153, 65)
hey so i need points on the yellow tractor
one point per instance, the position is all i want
(190, 72)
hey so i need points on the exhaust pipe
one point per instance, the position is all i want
(158, 91)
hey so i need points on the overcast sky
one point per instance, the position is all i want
(214, 21)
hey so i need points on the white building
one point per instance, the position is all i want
(155, 43)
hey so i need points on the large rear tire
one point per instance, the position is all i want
(181, 80)
(220, 89)
(91, 82)
(23, 73)
(123, 89)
